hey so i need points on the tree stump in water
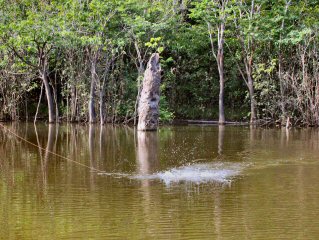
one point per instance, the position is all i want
(148, 109)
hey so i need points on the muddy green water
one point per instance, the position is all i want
(194, 182)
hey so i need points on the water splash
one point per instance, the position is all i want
(196, 173)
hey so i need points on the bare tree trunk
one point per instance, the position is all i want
(102, 106)
(73, 102)
(248, 46)
(56, 99)
(26, 107)
(92, 114)
(221, 118)
(220, 59)
(252, 100)
(141, 71)
(250, 85)
(102, 93)
(49, 96)
(220, 63)
(137, 97)
(281, 87)
(280, 75)
(40, 97)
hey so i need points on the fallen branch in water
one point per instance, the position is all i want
(209, 122)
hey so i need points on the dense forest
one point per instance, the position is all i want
(84, 60)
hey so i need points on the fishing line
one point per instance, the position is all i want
(48, 151)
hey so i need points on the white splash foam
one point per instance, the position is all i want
(197, 173)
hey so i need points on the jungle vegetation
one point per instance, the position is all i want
(84, 60)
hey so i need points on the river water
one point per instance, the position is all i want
(183, 182)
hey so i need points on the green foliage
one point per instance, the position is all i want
(155, 44)
(279, 39)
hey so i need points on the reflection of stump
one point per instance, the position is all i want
(147, 152)
(148, 109)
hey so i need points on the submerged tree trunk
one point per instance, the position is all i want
(50, 144)
(221, 135)
(91, 145)
(148, 109)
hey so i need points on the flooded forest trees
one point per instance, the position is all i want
(254, 60)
